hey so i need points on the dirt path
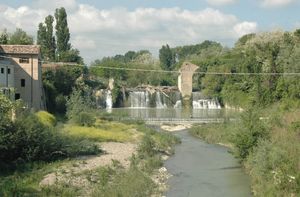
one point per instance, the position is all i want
(73, 174)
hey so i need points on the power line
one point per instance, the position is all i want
(176, 72)
(205, 73)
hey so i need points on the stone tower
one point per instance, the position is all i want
(185, 83)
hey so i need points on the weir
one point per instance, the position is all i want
(147, 96)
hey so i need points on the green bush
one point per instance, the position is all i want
(251, 131)
(274, 169)
(85, 119)
(46, 118)
(60, 104)
(28, 139)
(147, 147)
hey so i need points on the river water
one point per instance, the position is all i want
(201, 169)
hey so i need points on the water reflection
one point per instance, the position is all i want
(146, 113)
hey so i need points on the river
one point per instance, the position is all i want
(201, 169)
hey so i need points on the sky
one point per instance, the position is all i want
(101, 28)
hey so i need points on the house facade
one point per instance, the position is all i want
(21, 74)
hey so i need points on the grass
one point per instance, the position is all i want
(274, 162)
(104, 131)
(25, 181)
(107, 181)
(46, 118)
(215, 133)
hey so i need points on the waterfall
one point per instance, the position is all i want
(139, 99)
(178, 104)
(108, 100)
(158, 101)
(199, 102)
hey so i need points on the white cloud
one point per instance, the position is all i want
(245, 28)
(102, 32)
(22, 17)
(221, 2)
(84, 43)
(276, 3)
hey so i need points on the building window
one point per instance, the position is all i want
(8, 71)
(24, 60)
(22, 82)
(17, 96)
(2, 70)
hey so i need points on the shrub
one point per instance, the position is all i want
(274, 169)
(251, 131)
(84, 119)
(5, 105)
(60, 104)
(28, 139)
(147, 147)
(46, 118)
(128, 184)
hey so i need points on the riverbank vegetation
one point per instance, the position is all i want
(267, 143)
(36, 145)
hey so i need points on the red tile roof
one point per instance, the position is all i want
(20, 49)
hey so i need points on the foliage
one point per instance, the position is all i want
(5, 105)
(269, 147)
(4, 37)
(166, 57)
(57, 48)
(215, 133)
(85, 119)
(58, 84)
(274, 163)
(143, 60)
(251, 131)
(46, 39)
(132, 183)
(77, 103)
(107, 181)
(46, 118)
(270, 52)
(72, 55)
(20, 37)
(62, 31)
(28, 139)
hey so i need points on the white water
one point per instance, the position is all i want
(199, 102)
(178, 104)
(108, 100)
(139, 99)
(158, 101)
(206, 104)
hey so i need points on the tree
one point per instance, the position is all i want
(62, 31)
(46, 39)
(41, 39)
(5, 105)
(20, 37)
(166, 57)
(4, 37)
(71, 55)
(49, 37)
